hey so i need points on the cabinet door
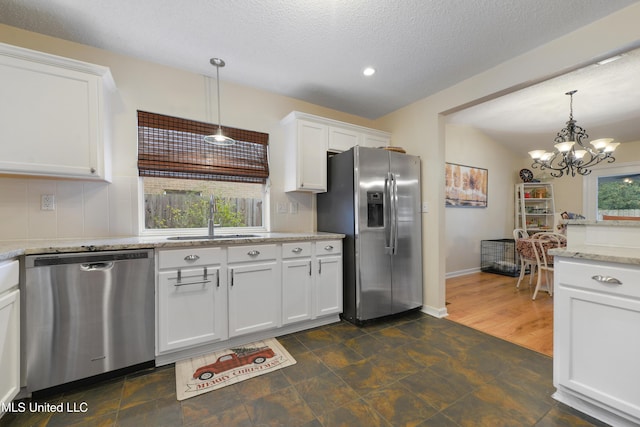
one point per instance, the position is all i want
(191, 307)
(596, 350)
(312, 156)
(342, 139)
(254, 298)
(9, 346)
(376, 141)
(56, 118)
(328, 289)
(296, 290)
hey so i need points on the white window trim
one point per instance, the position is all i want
(590, 185)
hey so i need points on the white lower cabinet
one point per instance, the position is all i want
(596, 350)
(254, 295)
(210, 297)
(297, 282)
(328, 286)
(9, 333)
(192, 298)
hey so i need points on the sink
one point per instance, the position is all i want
(219, 236)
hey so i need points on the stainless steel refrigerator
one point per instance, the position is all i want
(373, 198)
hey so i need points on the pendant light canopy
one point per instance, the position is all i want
(218, 138)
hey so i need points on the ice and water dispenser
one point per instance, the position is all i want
(375, 209)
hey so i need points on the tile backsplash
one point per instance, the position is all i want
(82, 209)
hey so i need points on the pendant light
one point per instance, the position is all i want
(218, 138)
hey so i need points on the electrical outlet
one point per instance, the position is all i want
(425, 206)
(48, 202)
(293, 208)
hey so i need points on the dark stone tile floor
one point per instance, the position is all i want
(412, 371)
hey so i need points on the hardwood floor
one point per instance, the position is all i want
(491, 303)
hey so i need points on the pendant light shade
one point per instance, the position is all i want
(218, 138)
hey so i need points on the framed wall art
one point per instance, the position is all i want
(466, 186)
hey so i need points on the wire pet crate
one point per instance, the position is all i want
(499, 256)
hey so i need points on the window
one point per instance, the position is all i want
(613, 192)
(180, 172)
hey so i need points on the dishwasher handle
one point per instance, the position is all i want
(96, 266)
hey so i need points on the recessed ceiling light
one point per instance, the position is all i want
(369, 71)
(611, 59)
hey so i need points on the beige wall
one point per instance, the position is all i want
(466, 227)
(100, 209)
(420, 127)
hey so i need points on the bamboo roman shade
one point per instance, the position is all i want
(171, 147)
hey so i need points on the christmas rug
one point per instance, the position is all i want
(203, 374)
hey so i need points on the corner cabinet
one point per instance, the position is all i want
(56, 123)
(596, 349)
(309, 138)
(534, 207)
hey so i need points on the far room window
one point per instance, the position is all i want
(619, 196)
(180, 172)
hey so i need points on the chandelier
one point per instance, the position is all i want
(571, 155)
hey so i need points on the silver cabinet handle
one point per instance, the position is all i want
(606, 279)
(319, 266)
(191, 258)
(231, 271)
(296, 250)
(253, 253)
(328, 248)
(218, 279)
(202, 282)
(309, 268)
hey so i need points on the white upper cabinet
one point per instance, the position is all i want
(53, 115)
(309, 137)
(341, 139)
(379, 139)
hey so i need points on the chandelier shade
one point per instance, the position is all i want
(571, 155)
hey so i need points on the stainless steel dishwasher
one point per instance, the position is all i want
(87, 314)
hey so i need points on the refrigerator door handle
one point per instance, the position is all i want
(388, 209)
(394, 214)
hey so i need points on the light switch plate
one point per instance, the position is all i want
(282, 207)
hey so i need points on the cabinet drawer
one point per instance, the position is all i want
(329, 247)
(296, 250)
(584, 276)
(189, 257)
(8, 275)
(252, 253)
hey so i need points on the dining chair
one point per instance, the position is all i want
(526, 255)
(541, 243)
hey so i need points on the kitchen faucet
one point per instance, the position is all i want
(212, 211)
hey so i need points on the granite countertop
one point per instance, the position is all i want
(16, 248)
(600, 253)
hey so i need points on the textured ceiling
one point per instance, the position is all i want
(315, 50)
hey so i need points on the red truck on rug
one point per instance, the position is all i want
(239, 357)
